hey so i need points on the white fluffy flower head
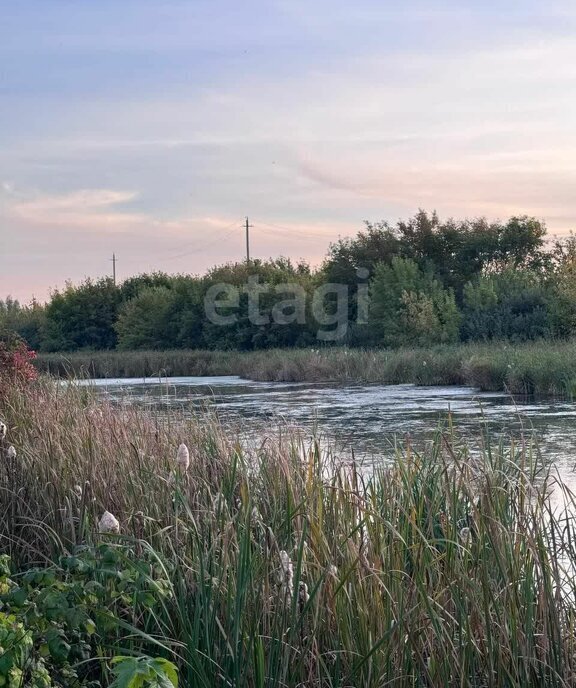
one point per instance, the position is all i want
(286, 576)
(183, 457)
(11, 452)
(303, 596)
(108, 523)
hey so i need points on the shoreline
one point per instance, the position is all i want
(546, 369)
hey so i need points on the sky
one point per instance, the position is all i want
(151, 128)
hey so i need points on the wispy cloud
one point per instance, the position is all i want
(80, 210)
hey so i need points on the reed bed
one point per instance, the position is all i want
(289, 568)
(541, 368)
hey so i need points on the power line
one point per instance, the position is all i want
(223, 233)
(233, 226)
(292, 231)
(202, 247)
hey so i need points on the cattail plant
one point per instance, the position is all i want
(286, 577)
(108, 523)
(183, 457)
(303, 595)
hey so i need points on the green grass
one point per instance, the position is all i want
(542, 368)
(446, 568)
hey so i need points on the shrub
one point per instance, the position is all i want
(57, 622)
(15, 361)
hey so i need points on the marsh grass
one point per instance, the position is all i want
(541, 368)
(437, 570)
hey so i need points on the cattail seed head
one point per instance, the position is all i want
(108, 523)
(286, 577)
(286, 565)
(303, 595)
(183, 457)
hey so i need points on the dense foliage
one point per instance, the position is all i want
(58, 623)
(419, 282)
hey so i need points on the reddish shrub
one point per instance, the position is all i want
(16, 361)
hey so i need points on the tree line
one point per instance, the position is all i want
(417, 282)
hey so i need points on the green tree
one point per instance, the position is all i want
(26, 321)
(188, 310)
(410, 307)
(82, 317)
(132, 286)
(512, 304)
(147, 321)
(259, 292)
(562, 306)
(456, 251)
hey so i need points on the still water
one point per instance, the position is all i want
(364, 419)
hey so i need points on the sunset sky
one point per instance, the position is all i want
(150, 128)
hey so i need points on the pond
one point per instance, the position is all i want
(359, 418)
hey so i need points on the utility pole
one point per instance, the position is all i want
(248, 225)
(114, 268)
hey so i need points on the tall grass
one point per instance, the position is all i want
(545, 368)
(107, 364)
(437, 569)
